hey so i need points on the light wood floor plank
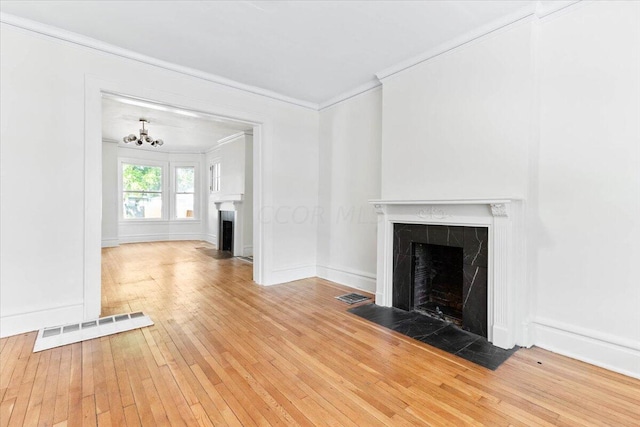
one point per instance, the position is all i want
(131, 416)
(6, 408)
(226, 352)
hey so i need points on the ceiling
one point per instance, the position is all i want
(312, 51)
(181, 130)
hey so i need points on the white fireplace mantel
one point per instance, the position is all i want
(507, 292)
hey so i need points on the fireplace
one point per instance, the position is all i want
(441, 271)
(419, 243)
(226, 231)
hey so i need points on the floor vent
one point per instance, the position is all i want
(76, 332)
(352, 298)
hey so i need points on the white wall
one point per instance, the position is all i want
(350, 139)
(458, 126)
(547, 110)
(42, 87)
(231, 156)
(247, 203)
(587, 293)
(110, 196)
(235, 157)
(211, 220)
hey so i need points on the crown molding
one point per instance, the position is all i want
(545, 8)
(373, 84)
(88, 42)
(540, 9)
(459, 41)
(228, 139)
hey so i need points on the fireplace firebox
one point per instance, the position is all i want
(441, 271)
(437, 281)
(226, 231)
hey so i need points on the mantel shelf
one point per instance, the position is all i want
(489, 201)
(227, 198)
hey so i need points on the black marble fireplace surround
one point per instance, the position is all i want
(431, 254)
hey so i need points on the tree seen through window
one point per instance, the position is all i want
(142, 191)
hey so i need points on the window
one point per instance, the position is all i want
(141, 191)
(158, 190)
(184, 191)
(215, 177)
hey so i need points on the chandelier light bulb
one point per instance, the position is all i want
(129, 138)
(144, 137)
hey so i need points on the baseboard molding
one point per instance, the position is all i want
(612, 353)
(141, 238)
(211, 238)
(247, 251)
(110, 243)
(285, 275)
(351, 278)
(14, 324)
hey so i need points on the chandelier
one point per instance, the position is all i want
(144, 137)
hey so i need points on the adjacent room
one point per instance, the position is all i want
(198, 186)
(347, 213)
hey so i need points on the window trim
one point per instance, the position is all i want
(215, 176)
(196, 190)
(163, 192)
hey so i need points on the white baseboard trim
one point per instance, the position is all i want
(285, 275)
(612, 353)
(501, 337)
(110, 243)
(247, 251)
(211, 238)
(141, 238)
(14, 324)
(351, 278)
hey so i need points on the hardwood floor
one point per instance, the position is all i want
(224, 351)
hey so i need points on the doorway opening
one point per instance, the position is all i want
(185, 211)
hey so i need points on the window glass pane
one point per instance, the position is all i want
(142, 205)
(184, 179)
(184, 205)
(141, 178)
(215, 177)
